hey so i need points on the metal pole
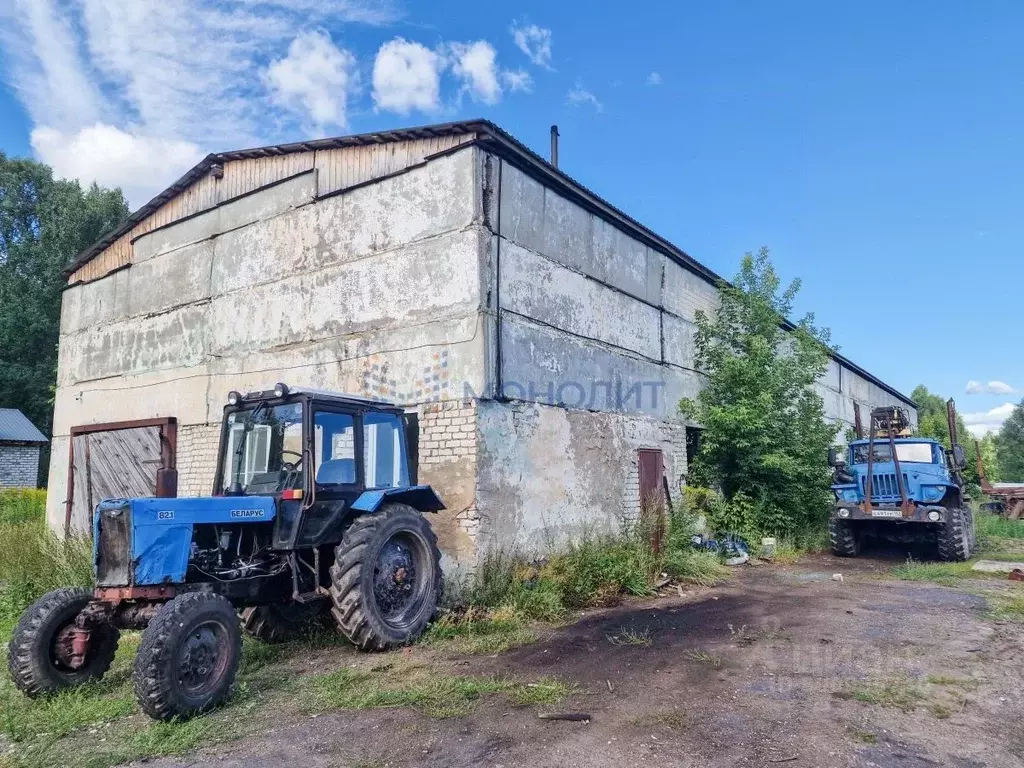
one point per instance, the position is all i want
(554, 145)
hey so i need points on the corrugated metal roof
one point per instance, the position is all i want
(16, 428)
(498, 141)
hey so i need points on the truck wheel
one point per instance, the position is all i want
(39, 658)
(954, 538)
(188, 656)
(281, 623)
(843, 538)
(386, 578)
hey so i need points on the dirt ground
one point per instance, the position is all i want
(781, 666)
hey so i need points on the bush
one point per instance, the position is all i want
(21, 505)
(33, 560)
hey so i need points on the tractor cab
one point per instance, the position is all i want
(322, 456)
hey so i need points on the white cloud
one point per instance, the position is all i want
(475, 64)
(517, 80)
(189, 73)
(991, 388)
(314, 80)
(407, 77)
(534, 41)
(654, 79)
(988, 421)
(114, 158)
(579, 96)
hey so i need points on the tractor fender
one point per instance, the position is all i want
(421, 497)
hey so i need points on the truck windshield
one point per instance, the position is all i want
(263, 450)
(913, 452)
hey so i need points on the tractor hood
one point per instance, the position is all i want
(144, 542)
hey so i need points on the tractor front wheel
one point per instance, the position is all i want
(386, 578)
(188, 657)
(955, 536)
(843, 537)
(39, 655)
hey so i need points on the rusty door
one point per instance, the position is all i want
(652, 470)
(117, 462)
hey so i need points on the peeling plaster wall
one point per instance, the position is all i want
(596, 346)
(375, 291)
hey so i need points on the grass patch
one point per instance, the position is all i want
(593, 571)
(422, 689)
(628, 636)
(998, 527)
(895, 694)
(672, 720)
(22, 505)
(1006, 607)
(703, 657)
(946, 681)
(941, 573)
(479, 631)
(864, 737)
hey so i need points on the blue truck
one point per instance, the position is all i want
(901, 488)
(315, 513)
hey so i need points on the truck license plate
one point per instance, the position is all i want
(886, 513)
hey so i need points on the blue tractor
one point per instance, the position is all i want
(897, 487)
(314, 514)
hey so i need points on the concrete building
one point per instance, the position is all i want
(20, 443)
(544, 336)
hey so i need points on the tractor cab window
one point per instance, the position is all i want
(384, 456)
(334, 447)
(920, 453)
(264, 449)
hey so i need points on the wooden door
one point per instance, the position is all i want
(115, 463)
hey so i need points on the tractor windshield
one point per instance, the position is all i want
(920, 453)
(263, 450)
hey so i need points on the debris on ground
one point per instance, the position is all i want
(733, 548)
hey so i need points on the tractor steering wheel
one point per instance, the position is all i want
(290, 468)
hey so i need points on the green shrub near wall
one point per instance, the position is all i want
(22, 505)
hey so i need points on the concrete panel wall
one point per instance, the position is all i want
(375, 291)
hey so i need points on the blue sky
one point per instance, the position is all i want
(874, 147)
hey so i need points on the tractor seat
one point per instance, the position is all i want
(336, 471)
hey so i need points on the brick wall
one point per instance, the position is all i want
(197, 458)
(19, 466)
(447, 460)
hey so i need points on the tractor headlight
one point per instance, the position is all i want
(933, 492)
(280, 389)
(234, 398)
(934, 516)
(844, 512)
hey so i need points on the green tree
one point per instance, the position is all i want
(1010, 446)
(765, 434)
(933, 422)
(44, 224)
(990, 457)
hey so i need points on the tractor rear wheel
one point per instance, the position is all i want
(843, 537)
(386, 578)
(281, 623)
(188, 657)
(39, 654)
(954, 537)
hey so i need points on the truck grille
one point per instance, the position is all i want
(883, 486)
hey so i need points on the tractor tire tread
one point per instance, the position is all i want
(151, 675)
(31, 673)
(351, 556)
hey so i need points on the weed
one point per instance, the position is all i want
(431, 694)
(947, 681)
(864, 737)
(1006, 607)
(479, 631)
(628, 636)
(941, 573)
(672, 720)
(895, 694)
(996, 526)
(22, 505)
(703, 657)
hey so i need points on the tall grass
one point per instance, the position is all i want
(32, 559)
(593, 570)
(997, 527)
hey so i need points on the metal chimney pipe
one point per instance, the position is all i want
(554, 145)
